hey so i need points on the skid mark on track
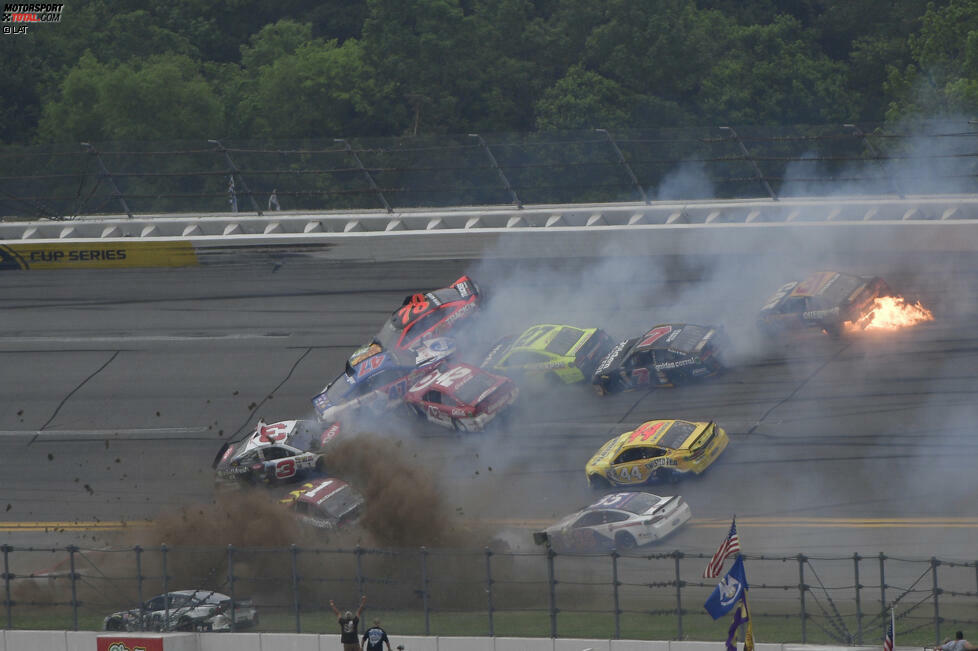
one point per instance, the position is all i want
(72, 392)
(278, 386)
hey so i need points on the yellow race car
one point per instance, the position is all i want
(656, 451)
(560, 354)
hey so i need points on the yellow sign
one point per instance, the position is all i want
(97, 255)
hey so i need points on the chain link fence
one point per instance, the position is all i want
(64, 181)
(843, 600)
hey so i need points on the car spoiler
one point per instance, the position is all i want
(220, 453)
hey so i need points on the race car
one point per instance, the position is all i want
(377, 379)
(430, 314)
(560, 354)
(656, 451)
(280, 452)
(185, 610)
(667, 355)
(461, 396)
(619, 521)
(825, 300)
(324, 503)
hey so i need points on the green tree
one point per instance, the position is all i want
(159, 98)
(943, 78)
(775, 74)
(583, 100)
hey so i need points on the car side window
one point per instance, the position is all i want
(652, 453)
(665, 356)
(425, 322)
(432, 396)
(156, 603)
(615, 516)
(521, 357)
(589, 519)
(639, 359)
(274, 452)
(793, 304)
(631, 454)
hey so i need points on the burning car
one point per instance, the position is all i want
(825, 300)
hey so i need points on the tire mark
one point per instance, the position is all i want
(71, 393)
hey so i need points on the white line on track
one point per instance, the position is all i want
(99, 434)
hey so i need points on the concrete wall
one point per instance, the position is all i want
(86, 641)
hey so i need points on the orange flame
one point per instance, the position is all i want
(891, 313)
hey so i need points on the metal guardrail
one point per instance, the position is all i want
(842, 599)
(489, 218)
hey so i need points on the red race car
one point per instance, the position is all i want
(461, 396)
(430, 314)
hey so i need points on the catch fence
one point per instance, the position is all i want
(799, 598)
(389, 174)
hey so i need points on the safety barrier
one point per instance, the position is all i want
(88, 641)
(710, 228)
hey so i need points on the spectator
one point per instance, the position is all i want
(957, 644)
(348, 625)
(375, 637)
(273, 200)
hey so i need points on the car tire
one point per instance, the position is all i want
(598, 483)
(113, 625)
(625, 541)
(184, 624)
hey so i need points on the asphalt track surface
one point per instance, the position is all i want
(119, 386)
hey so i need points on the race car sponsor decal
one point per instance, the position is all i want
(127, 643)
(646, 431)
(673, 335)
(668, 365)
(653, 335)
(661, 461)
(817, 315)
(459, 313)
(610, 357)
(97, 255)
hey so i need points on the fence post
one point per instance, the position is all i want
(615, 583)
(295, 587)
(366, 172)
(750, 159)
(499, 170)
(489, 583)
(937, 612)
(679, 597)
(74, 586)
(624, 163)
(166, 590)
(139, 574)
(231, 585)
(552, 583)
(424, 590)
(801, 593)
(233, 169)
(859, 611)
(882, 587)
(103, 172)
(6, 585)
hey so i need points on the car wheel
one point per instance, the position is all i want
(113, 625)
(625, 542)
(184, 624)
(598, 483)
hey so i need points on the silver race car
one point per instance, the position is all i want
(621, 521)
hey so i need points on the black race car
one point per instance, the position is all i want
(667, 355)
(825, 300)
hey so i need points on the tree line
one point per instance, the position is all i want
(194, 69)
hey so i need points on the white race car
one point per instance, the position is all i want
(185, 610)
(280, 452)
(621, 521)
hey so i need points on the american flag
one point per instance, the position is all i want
(888, 640)
(729, 547)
